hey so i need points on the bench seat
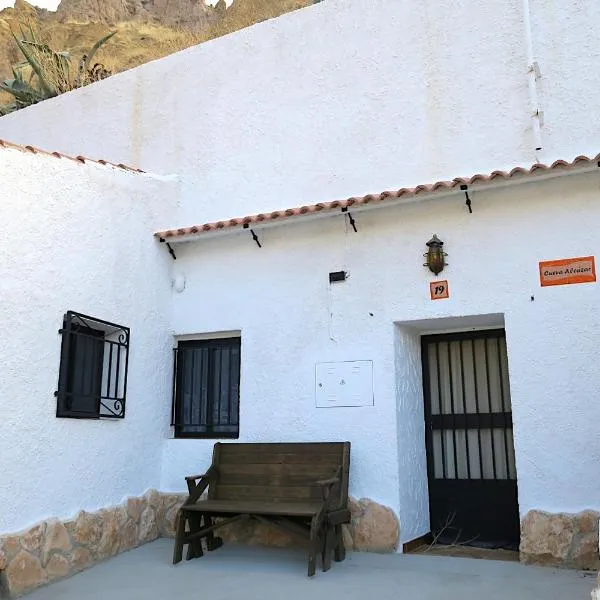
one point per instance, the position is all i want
(243, 507)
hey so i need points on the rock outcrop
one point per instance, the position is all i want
(562, 539)
(53, 549)
(186, 14)
(146, 29)
(373, 528)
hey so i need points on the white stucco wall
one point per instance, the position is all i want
(278, 297)
(342, 98)
(78, 237)
(339, 99)
(410, 414)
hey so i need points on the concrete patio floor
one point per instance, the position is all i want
(235, 572)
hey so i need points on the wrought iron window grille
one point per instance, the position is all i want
(94, 358)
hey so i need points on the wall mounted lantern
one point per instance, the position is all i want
(435, 255)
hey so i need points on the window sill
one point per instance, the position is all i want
(206, 436)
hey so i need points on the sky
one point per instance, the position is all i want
(52, 4)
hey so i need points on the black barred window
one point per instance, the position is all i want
(206, 388)
(92, 380)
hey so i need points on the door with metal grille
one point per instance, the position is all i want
(470, 451)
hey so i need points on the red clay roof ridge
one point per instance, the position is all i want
(438, 186)
(79, 159)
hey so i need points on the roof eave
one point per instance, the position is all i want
(173, 237)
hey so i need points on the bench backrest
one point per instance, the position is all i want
(284, 472)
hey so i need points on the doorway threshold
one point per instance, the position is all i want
(462, 551)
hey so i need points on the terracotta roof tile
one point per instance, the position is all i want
(438, 186)
(80, 159)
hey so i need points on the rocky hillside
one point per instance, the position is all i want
(147, 29)
(188, 14)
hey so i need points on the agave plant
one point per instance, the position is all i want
(50, 72)
(23, 93)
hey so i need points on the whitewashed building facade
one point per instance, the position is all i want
(266, 240)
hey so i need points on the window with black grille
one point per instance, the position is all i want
(92, 380)
(206, 388)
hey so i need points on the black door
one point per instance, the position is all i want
(470, 451)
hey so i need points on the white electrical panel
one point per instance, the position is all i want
(344, 384)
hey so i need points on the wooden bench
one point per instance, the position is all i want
(301, 488)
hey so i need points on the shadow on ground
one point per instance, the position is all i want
(235, 572)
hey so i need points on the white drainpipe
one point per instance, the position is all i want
(533, 73)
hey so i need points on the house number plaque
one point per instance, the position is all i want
(439, 290)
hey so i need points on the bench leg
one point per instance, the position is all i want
(328, 545)
(212, 541)
(179, 537)
(314, 546)
(340, 550)
(195, 546)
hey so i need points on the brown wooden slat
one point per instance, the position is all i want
(278, 468)
(263, 492)
(319, 448)
(233, 507)
(215, 462)
(275, 474)
(269, 480)
(205, 530)
(344, 477)
(266, 458)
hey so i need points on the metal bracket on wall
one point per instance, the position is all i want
(350, 218)
(171, 251)
(465, 189)
(254, 236)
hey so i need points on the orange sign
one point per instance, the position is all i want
(568, 270)
(439, 290)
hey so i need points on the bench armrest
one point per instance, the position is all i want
(194, 477)
(327, 486)
(197, 484)
(327, 482)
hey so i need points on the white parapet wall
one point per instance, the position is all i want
(341, 98)
(78, 237)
